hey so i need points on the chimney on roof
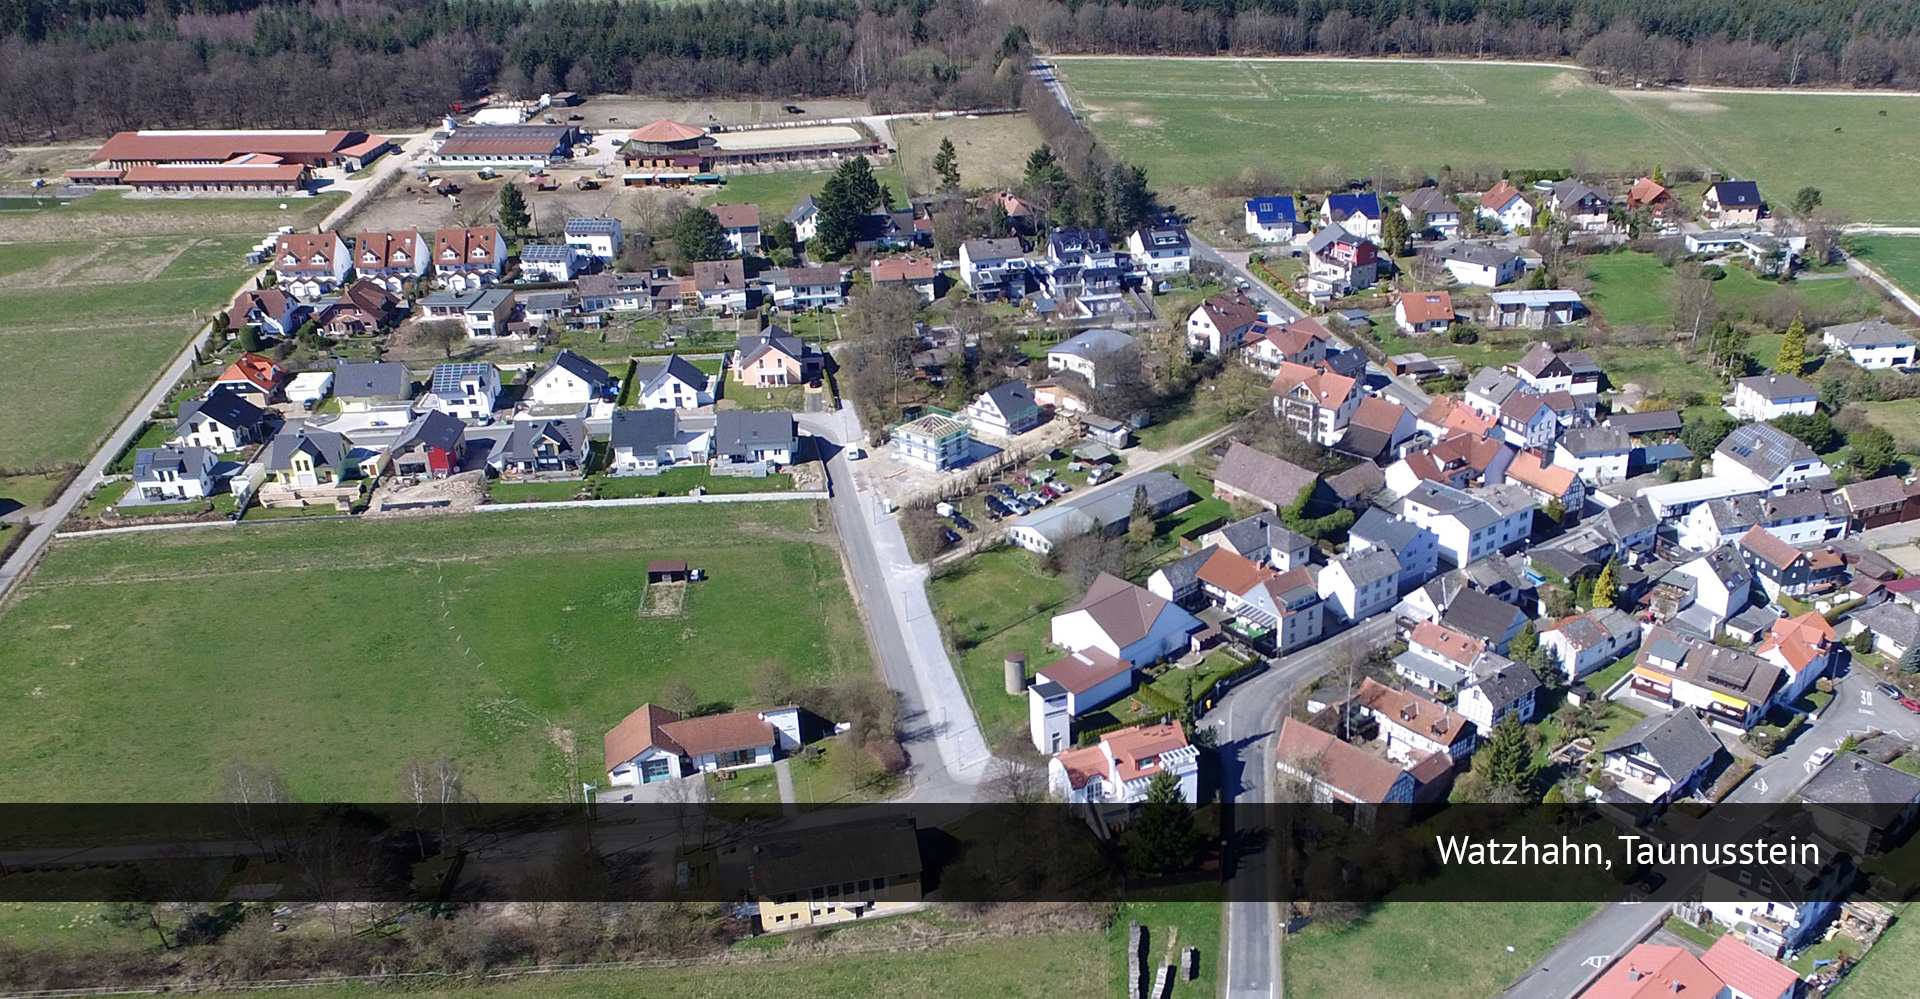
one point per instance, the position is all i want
(1633, 974)
(1674, 986)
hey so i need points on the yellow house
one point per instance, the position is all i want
(836, 874)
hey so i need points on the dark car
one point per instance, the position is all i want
(997, 509)
(794, 109)
(948, 535)
(962, 523)
(1890, 690)
(1910, 704)
(576, 117)
(1003, 489)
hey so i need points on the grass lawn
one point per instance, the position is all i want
(1001, 603)
(1038, 966)
(1886, 972)
(1427, 949)
(777, 193)
(1191, 121)
(1897, 257)
(542, 492)
(680, 481)
(30, 491)
(1899, 417)
(155, 435)
(501, 644)
(992, 150)
(1601, 680)
(1508, 349)
(1170, 927)
(1630, 288)
(1687, 931)
(1662, 371)
(108, 495)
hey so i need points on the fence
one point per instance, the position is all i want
(652, 501)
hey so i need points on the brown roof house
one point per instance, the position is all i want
(1258, 477)
(1125, 621)
(655, 744)
(721, 284)
(914, 272)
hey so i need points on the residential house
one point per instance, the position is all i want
(1274, 219)
(542, 448)
(742, 437)
(305, 457)
(599, 238)
(816, 286)
(836, 874)
(721, 284)
(493, 313)
(391, 260)
(1483, 616)
(1468, 527)
(1527, 421)
(774, 358)
(1895, 627)
(1097, 355)
(547, 309)
(1598, 455)
(1316, 403)
(1380, 430)
(1875, 502)
(1586, 208)
(1219, 324)
(1482, 265)
(644, 441)
(1779, 566)
(1660, 759)
(994, 268)
(1360, 584)
(572, 380)
(1588, 642)
(610, 292)
(1082, 266)
(171, 474)
(934, 442)
(555, 262)
(1125, 621)
(1250, 475)
(368, 385)
(1077, 683)
(1732, 204)
(1769, 397)
(1356, 212)
(309, 265)
(1548, 483)
(1431, 214)
(1766, 459)
(1107, 512)
(655, 744)
(223, 421)
(1262, 538)
(363, 308)
(1489, 389)
(1862, 804)
(673, 383)
(1874, 344)
(257, 378)
(1414, 727)
(1117, 769)
(1805, 648)
(1648, 425)
(805, 219)
(1340, 262)
(308, 388)
(1495, 693)
(272, 311)
(1748, 973)
(1730, 687)
(913, 272)
(1275, 611)
(469, 258)
(1649, 194)
(1783, 907)
(1652, 971)
(741, 224)
(1415, 548)
(1459, 460)
(432, 446)
(1418, 312)
(1441, 659)
(465, 390)
(1161, 248)
(1547, 371)
(1330, 771)
(1446, 416)
(1504, 205)
(1006, 409)
(1533, 309)
(1716, 586)
(1266, 346)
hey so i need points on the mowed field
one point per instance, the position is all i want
(96, 297)
(337, 651)
(1191, 121)
(992, 150)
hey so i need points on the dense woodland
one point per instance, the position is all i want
(1875, 43)
(72, 67)
(95, 66)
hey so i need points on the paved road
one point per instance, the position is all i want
(1244, 724)
(947, 754)
(1857, 709)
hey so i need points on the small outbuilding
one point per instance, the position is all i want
(667, 571)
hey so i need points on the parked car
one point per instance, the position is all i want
(1003, 489)
(996, 509)
(1019, 509)
(1060, 484)
(949, 535)
(856, 453)
(1100, 475)
(1034, 499)
(1820, 757)
(1910, 704)
(1890, 690)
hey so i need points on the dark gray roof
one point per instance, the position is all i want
(1795, 505)
(1333, 233)
(652, 376)
(1369, 566)
(223, 406)
(1590, 441)
(1185, 572)
(447, 377)
(1378, 527)
(1505, 687)
(801, 211)
(546, 253)
(1165, 493)
(1094, 343)
(735, 431)
(569, 436)
(1445, 500)
(1261, 531)
(380, 378)
(598, 225)
(644, 431)
(594, 375)
(1776, 387)
(1744, 193)
(1566, 563)
(1891, 620)
(1574, 190)
(1855, 780)
(324, 446)
(434, 429)
(1494, 383)
(1011, 398)
(1645, 423)
(992, 249)
(1356, 481)
(774, 337)
(1475, 613)
(1678, 742)
(187, 460)
(1763, 449)
(1624, 520)
(1872, 333)
(1483, 254)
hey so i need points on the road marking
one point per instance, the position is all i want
(1760, 785)
(1866, 698)
(1597, 961)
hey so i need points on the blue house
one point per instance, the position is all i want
(1274, 219)
(1356, 212)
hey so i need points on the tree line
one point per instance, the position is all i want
(1764, 43)
(105, 65)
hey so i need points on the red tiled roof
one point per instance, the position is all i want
(1747, 970)
(256, 370)
(389, 249)
(1462, 649)
(1354, 773)
(736, 216)
(1498, 195)
(1136, 751)
(720, 733)
(1427, 306)
(162, 146)
(1650, 971)
(1081, 671)
(1800, 640)
(666, 130)
(1412, 712)
(1769, 547)
(472, 245)
(1530, 469)
(1376, 413)
(1233, 573)
(903, 269)
(639, 732)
